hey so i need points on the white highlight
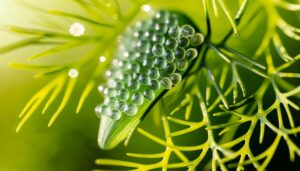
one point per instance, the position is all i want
(73, 73)
(115, 62)
(146, 8)
(100, 88)
(102, 59)
(108, 73)
(77, 29)
(126, 54)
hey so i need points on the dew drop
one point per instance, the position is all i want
(146, 8)
(73, 73)
(77, 29)
(100, 88)
(102, 59)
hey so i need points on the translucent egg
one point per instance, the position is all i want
(115, 114)
(161, 28)
(149, 94)
(148, 63)
(123, 106)
(182, 65)
(174, 31)
(142, 57)
(99, 108)
(158, 50)
(160, 62)
(142, 46)
(197, 39)
(191, 53)
(144, 79)
(183, 42)
(158, 38)
(111, 92)
(180, 53)
(172, 20)
(170, 55)
(154, 84)
(137, 98)
(135, 75)
(134, 85)
(135, 67)
(131, 110)
(125, 65)
(118, 85)
(171, 43)
(138, 34)
(170, 68)
(175, 78)
(124, 77)
(166, 83)
(187, 30)
(123, 94)
(106, 111)
(153, 73)
(112, 102)
(161, 15)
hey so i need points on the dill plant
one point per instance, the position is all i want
(237, 104)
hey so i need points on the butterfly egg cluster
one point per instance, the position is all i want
(151, 57)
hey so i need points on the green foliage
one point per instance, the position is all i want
(208, 101)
